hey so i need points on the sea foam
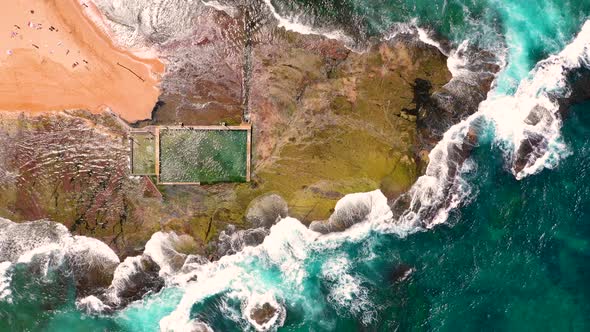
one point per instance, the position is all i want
(532, 115)
(5, 279)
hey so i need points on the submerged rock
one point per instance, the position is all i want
(400, 273)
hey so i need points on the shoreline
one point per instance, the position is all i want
(55, 57)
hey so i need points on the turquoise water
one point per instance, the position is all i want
(513, 257)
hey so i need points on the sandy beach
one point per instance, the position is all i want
(53, 57)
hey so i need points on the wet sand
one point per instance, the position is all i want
(52, 57)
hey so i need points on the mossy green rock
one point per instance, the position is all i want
(340, 130)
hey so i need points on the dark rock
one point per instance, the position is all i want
(534, 145)
(263, 314)
(232, 241)
(459, 98)
(192, 262)
(537, 114)
(134, 278)
(400, 273)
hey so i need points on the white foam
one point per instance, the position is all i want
(256, 301)
(161, 248)
(412, 28)
(293, 23)
(139, 24)
(5, 280)
(508, 113)
(431, 189)
(374, 200)
(424, 36)
(91, 252)
(456, 62)
(43, 250)
(214, 279)
(231, 11)
(346, 292)
(18, 240)
(288, 247)
(128, 267)
(91, 305)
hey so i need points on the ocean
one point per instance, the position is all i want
(509, 252)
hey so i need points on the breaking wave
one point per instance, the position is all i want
(294, 23)
(527, 124)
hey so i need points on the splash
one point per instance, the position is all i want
(293, 23)
(527, 124)
(5, 279)
(527, 128)
(279, 268)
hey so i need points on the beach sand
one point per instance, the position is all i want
(53, 57)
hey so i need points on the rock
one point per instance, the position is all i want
(535, 144)
(537, 114)
(352, 209)
(134, 278)
(192, 262)
(460, 97)
(264, 211)
(43, 244)
(93, 265)
(400, 273)
(232, 241)
(263, 314)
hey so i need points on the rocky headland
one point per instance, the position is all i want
(327, 122)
